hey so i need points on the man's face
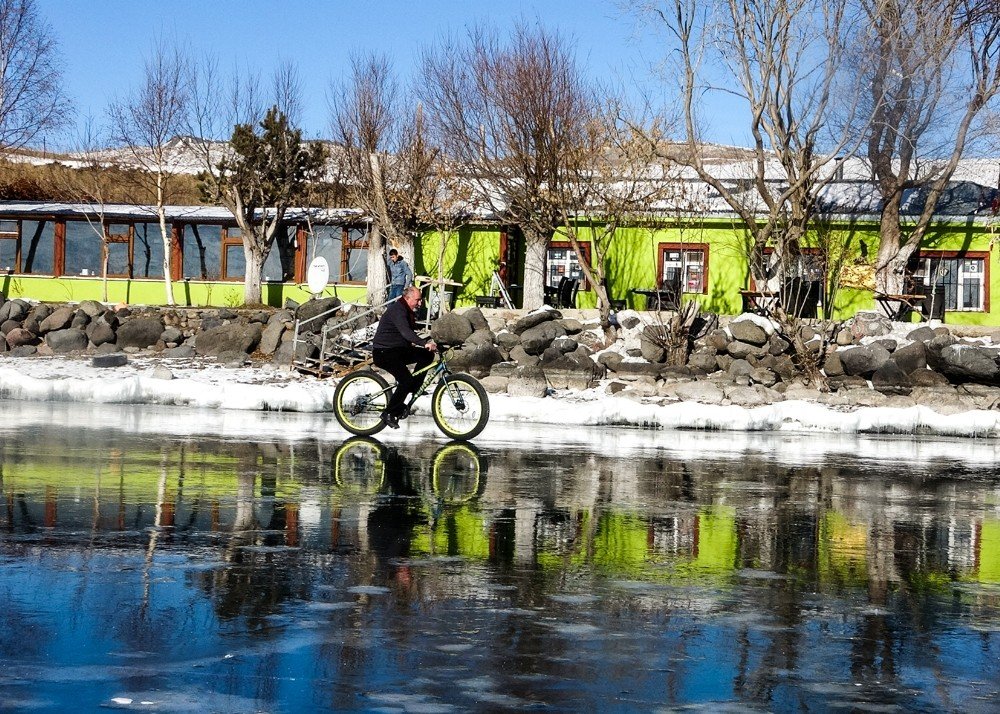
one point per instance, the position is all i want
(394, 257)
(412, 299)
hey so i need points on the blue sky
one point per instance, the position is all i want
(103, 43)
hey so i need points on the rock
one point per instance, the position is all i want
(967, 363)
(451, 328)
(171, 334)
(778, 345)
(284, 316)
(565, 345)
(535, 318)
(747, 397)
(717, 340)
(481, 337)
(59, 319)
(495, 384)
(535, 339)
(40, 312)
(572, 327)
(19, 337)
(845, 338)
(8, 325)
(927, 378)
(858, 361)
(870, 324)
(629, 322)
(80, 320)
(764, 377)
(518, 355)
(139, 332)
(703, 360)
(568, 372)
(16, 310)
(270, 337)
(922, 334)
(23, 351)
(282, 356)
(846, 382)
(92, 308)
(314, 308)
(503, 369)
(68, 340)
(890, 379)
(911, 357)
(476, 318)
(232, 358)
(610, 360)
(185, 351)
(739, 368)
(99, 333)
(161, 372)
(230, 338)
(477, 360)
(527, 382)
(886, 343)
(109, 360)
(748, 331)
(652, 343)
(864, 397)
(107, 348)
(832, 366)
(738, 349)
(703, 392)
(508, 340)
(3, 344)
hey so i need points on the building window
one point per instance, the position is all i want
(328, 242)
(10, 234)
(147, 250)
(38, 247)
(354, 268)
(959, 280)
(202, 257)
(684, 264)
(234, 264)
(561, 262)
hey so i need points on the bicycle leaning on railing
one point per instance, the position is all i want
(459, 403)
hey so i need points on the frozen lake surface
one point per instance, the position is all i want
(169, 559)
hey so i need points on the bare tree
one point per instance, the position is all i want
(512, 111)
(784, 56)
(31, 96)
(930, 68)
(144, 123)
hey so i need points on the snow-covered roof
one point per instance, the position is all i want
(206, 214)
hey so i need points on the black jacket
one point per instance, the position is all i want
(396, 328)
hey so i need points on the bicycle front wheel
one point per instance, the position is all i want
(460, 406)
(359, 401)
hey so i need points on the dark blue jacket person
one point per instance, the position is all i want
(397, 345)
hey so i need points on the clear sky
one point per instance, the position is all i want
(104, 42)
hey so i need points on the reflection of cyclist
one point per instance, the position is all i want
(397, 345)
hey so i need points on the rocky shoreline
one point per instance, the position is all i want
(743, 361)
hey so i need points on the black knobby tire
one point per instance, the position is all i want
(460, 406)
(359, 401)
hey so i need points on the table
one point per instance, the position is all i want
(759, 302)
(661, 299)
(898, 308)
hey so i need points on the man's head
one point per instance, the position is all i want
(412, 297)
(393, 255)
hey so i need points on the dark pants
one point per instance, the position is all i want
(396, 291)
(394, 361)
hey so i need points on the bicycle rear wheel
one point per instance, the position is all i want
(460, 406)
(359, 401)
(457, 472)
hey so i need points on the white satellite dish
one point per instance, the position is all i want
(318, 275)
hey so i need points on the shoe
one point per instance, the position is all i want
(391, 421)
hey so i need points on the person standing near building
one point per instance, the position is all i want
(400, 275)
(397, 345)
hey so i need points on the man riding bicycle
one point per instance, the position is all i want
(397, 345)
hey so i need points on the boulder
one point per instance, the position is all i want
(481, 337)
(610, 360)
(181, 351)
(922, 334)
(23, 351)
(107, 348)
(109, 360)
(494, 384)
(703, 392)
(16, 310)
(100, 333)
(717, 340)
(535, 339)
(476, 319)
(270, 337)
(508, 340)
(8, 325)
(535, 318)
(140, 332)
(778, 345)
(92, 308)
(451, 328)
(704, 360)
(737, 349)
(739, 368)
(232, 338)
(748, 331)
(967, 363)
(927, 378)
(313, 308)
(80, 320)
(911, 357)
(527, 382)
(70, 339)
(859, 361)
(571, 372)
(3, 344)
(19, 337)
(518, 355)
(832, 366)
(572, 327)
(870, 324)
(171, 334)
(651, 343)
(764, 377)
(477, 361)
(565, 345)
(59, 319)
(747, 397)
(890, 379)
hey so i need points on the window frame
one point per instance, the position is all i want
(347, 245)
(15, 237)
(225, 243)
(568, 246)
(663, 247)
(923, 265)
(121, 238)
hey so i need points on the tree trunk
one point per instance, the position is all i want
(536, 244)
(378, 271)
(893, 255)
(254, 256)
(161, 212)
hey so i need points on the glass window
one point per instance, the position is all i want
(328, 242)
(8, 229)
(37, 244)
(8, 254)
(684, 267)
(202, 251)
(236, 265)
(118, 258)
(272, 264)
(561, 263)
(147, 250)
(960, 282)
(357, 256)
(83, 248)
